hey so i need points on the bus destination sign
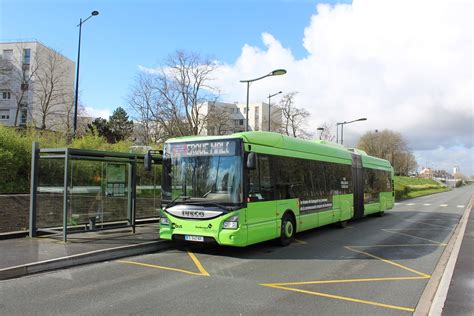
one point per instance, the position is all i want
(211, 148)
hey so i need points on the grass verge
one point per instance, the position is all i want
(406, 187)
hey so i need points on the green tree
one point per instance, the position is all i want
(120, 126)
(116, 129)
(100, 127)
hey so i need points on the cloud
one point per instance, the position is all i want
(405, 65)
(93, 112)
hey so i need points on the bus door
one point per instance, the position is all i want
(358, 183)
(261, 204)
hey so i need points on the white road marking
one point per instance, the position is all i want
(411, 203)
(398, 203)
(460, 206)
(443, 205)
(427, 204)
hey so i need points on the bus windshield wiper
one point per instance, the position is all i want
(222, 207)
(173, 202)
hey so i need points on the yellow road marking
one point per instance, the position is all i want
(390, 262)
(197, 263)
(347, 281)
(421, 276)
(429, 224)
(395, 232)
(344, 298)
(158, 267)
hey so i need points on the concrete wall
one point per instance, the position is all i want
(14, 212)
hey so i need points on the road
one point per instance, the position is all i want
(374, 266)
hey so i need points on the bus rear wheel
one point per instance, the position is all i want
(288, 229)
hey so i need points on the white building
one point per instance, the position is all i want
(36, 86)
(227, 118)
(456, 169)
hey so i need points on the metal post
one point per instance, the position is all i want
(77, 79)
(132, 173)
(342, 134)
(247, 109)
(269, 112)
(337, 133)
(33, 188)
(66, 193)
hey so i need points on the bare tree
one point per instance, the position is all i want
(53, 95)
(170, 100)
(218, 120)
(405, 163)
(294, 118)
(391, 146)
(143, 105)
(326, 132)
(183, 86)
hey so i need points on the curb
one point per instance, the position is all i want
(429, 296)
(83, 258)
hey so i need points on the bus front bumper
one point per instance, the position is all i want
(207, 231)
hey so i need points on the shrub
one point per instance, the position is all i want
(15, 156)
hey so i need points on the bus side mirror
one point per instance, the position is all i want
(252, 161)
(147, 161)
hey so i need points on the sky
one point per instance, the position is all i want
(406, 65)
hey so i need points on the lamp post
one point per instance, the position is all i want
(93, 13)
(277, 72)
(269, 112)
(342, 127)
(322, 130)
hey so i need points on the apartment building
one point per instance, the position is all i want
(227, 118)
(36, 86)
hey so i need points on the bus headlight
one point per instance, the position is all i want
(231, 223)
(164, 220)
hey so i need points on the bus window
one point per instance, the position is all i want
(260, 186)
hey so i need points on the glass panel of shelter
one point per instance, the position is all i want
(98, 193)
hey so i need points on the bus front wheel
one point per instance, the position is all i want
(288, 229)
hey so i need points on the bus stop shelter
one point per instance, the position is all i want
(77, 190)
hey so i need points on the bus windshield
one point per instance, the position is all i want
(203, 173)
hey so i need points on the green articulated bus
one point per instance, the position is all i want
(250, 187)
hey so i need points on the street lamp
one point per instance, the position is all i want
(93, 13)
(277, 72)
(342, 128)
(322, 130)
(269, 113)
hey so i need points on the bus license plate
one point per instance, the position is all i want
(194, 238)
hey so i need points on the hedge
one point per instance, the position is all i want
(15, 153)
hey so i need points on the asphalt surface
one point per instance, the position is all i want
(21, 251)
(460, 298)
(375, 266)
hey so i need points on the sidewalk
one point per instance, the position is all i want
(23, 256)
(460, 299)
